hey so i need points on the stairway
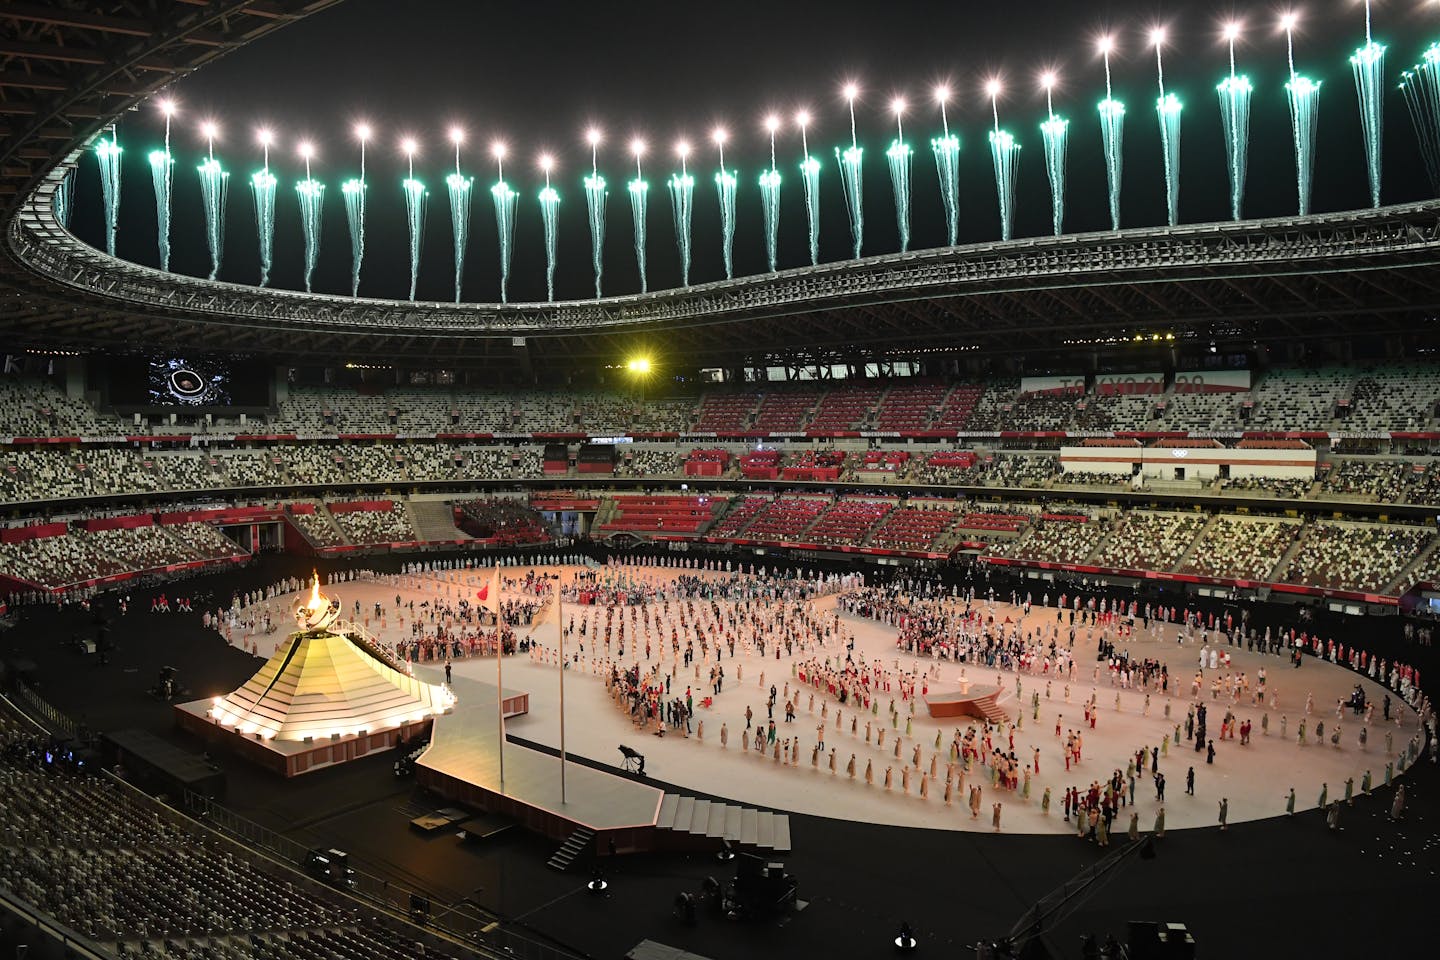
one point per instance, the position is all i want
(1189, 551)
(1277, 572)
(434, 520)
(725, 821)
(574, 845)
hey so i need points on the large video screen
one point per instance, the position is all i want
(194, 381)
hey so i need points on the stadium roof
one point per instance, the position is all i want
(73, 67)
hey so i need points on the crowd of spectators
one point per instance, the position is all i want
(1384, 480)
(650, 463)
(1285, 488)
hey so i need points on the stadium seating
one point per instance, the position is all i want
(913, 528)
(660, 514)
(375, 526)
(1240, 548)
(1355, 556)
(737, 518)
(849, 521)
(1057, 540)
(786, 518)
(1149, 541)
(139, 880)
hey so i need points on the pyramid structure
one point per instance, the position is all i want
(319, 684)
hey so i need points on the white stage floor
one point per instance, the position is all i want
(1254, 778)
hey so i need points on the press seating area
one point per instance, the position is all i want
(1148, 541)
(946, 467)
(660, 514)
(913, 528)
(1282, 487)
(1015, 470)
(1241, 548)
(1355, 556)
(650, 463)
(885, 461)
(1384, 481)
(785, 518)
(1056, 541)
(849, 520)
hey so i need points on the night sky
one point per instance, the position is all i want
(538, 75)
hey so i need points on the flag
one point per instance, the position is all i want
(483, 593)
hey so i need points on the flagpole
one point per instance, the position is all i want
(499, 678)
(560, 617)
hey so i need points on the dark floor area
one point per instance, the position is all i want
(1271, 888)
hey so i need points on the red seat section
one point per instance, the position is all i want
(785, 412)
(910, 407)
(910, 528)
(726, 412)
(786, 518)
(847, 409)
(742, 511)
(849, 521)
(662, 513)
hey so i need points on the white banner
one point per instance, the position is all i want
(1072, 384)
(1213, 381)
(1128, 384)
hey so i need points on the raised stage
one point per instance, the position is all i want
(967, 700)
(463, 765)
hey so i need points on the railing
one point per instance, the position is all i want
(1050, 909)
(57, 721)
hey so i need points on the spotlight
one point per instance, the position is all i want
(598, 885)
(905, 942)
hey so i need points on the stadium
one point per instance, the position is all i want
(315, 505)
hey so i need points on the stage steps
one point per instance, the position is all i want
(991, 708)
(574, 845)
(745, 826)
